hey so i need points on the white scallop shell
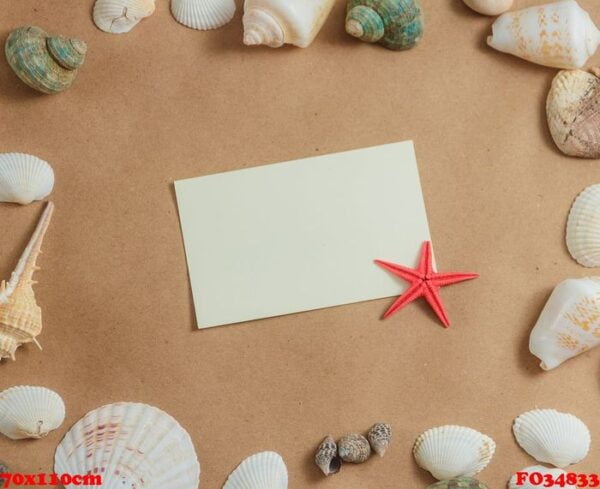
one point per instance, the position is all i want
(120, 16)
(30, 412)
(527, 484)
(452, 451)
(264, 470)
(583, 227)
(552, 437)
(203, 14)
(24, 178)
(132, 446)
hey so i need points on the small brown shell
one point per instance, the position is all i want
(380, 437)
(326, 457)
(354, 448)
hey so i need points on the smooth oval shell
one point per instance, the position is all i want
(265, 470)
(203, 14)
(552, 437)
(583, 227)
(489, 7)
(24, 178)
(380, 437)
(453, 451)
(326, 457)
(513, 482)
(120, 16)
(573, 113)
(354, 448)
(459, 483)
(30, 412)
(131, 445)
(30, 57)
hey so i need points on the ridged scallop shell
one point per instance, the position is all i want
(354, 448)
(526, 484)
(120, 16)
(20, 316)
(264, 470)
(203, 14)
(24, 178)
(453, 451)
(131, 445)
(326, 457)
(46, 63)
(459, 483)
(489, 7)
(552, 437)
(30, 412)
(380, 437)
(583, 227)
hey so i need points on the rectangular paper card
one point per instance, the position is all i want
(301, 235)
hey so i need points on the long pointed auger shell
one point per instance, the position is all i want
(20, 316)
(264, 470)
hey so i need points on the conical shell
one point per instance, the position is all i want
(24, 178)
(489, 7)
(453, 451)
(569, 323)
(354, 448)
(573, 112)
(583, 227)
(380, 437)
(130, 445)
(525, 482)
(45, 63)
(459, 483)
(560, 34)
(327, 458)
(552, 437)
(264, 470)
(20, 316)
(203, 14)
(30, 412)
(120, 16)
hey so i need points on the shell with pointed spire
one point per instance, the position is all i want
(24, 178)
(30, 412)
(395, 24)
(264, 470)
(46, 63)
(203, 14)
(327, 458)
(120, 16)
(380, 437)
(559, 34)
(20, 316)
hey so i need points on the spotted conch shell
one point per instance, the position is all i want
(20, 316)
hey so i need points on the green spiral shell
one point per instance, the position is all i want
(459, 483)
(396, 24)
(46, 63)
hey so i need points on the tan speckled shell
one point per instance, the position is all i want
(354, 448)
(326, 457)
(380, 437)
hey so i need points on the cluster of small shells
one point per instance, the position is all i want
(352, 448)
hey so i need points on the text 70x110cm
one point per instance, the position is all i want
(14, 480)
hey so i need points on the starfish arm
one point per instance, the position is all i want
(414, 292)
(425, 263)
(406, 273)
(449, 278)
(432, 296)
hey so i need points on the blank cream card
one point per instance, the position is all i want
(301, 235)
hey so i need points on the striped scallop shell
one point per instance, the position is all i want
(552, 437)
(120, 16)
(583, 227)
(527, 484)
(132, 446)
(203, 14)
(24, 178)
(452, 451)
(264, 470)
(30, 412)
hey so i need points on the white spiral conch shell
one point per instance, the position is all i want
(24, 178)
(552, 437)
(453, 451)
(203, 14)
(560, 34)
(583, 227)
(264, 470)
(513, 483)
(30, 412)
(120, 16)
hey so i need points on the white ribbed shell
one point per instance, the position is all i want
(133, 446)
(452, 451)
(512, 483)
(552, 437)
(203, 14)
(30, 412)
(120, 16)
(264, 470)
(583, 227)
(24, 178)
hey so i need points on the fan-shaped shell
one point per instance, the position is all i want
(132, 446)
(30, 412)
(203, 14)
(453, 451)
(120, 16)
(24, 178)
(45, 63)
(513, 483)
(264, 470)
(583, 227)
(459, 483)
(552, 437)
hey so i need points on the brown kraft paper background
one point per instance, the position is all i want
(164, 102)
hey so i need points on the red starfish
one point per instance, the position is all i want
(424, 282)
